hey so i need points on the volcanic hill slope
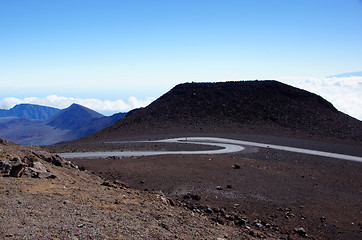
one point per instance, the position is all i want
(254, 107)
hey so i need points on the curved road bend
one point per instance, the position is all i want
(225, 148)
(228, 145)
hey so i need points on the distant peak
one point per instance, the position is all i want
(76, 105)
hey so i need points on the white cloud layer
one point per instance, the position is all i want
(345, 93)
(102, 106)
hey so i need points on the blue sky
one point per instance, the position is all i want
(112, 50)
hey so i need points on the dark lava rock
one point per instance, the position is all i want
(236, 166)
(186, 196)
(195, 197)
(17, 170)
(192, 196)
(209, 210)
(5, 167)
(258, 224)
(242, 222)
(108, 184)
(121, 184)
(3, 141)
(300, 231)
(58, 161)
(172, 203)
(218, 220)
(48, 157)
(230, 217)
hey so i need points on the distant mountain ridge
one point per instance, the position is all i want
(30, 111)
(80, 121)
(68, 124)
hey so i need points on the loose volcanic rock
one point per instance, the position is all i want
(17, 170)
(17, 161)
(300, 231)
(236, 166)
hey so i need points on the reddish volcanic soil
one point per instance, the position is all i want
(272, 191)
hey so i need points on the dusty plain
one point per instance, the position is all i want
(273, 191)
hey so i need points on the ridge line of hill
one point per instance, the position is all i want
(245, 107)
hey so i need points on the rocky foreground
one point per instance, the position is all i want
(45, 197)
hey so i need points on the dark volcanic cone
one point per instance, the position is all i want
(253, 107)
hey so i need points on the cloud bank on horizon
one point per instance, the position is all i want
(106, 107)
(345, 93)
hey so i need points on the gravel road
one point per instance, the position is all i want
(226, 145)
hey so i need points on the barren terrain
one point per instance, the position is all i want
(48, 201)
(284, 191)
(255, 193)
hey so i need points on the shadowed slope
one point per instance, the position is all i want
(262, 107)
(73, 117)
